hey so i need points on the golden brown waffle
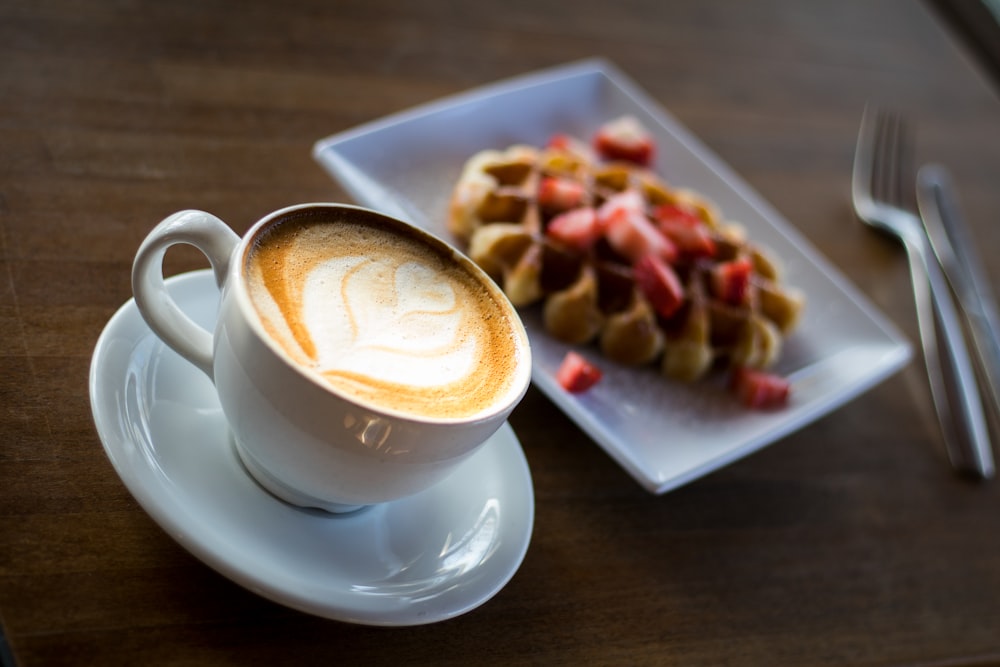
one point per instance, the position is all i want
(503, 208)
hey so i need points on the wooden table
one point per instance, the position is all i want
(848, 542)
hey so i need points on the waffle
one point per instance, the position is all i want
(544, 223)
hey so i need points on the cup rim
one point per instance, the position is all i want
(237, 285)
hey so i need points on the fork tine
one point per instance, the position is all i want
(891, 160)
(881, 160)
(861, 174)
(884, 185)
(907, 173)
(881, 176)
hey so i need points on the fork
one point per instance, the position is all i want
(878, 195)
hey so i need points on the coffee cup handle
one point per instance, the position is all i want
(216, 241)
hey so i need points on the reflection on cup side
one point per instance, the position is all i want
(372, 432)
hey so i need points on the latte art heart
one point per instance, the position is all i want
(384, 316)
(398, 324)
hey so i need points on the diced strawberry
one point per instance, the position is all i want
(759, 389)
(560, 194)
(686, 230)
(633, 236)
(658, 282)
(570, 144)
(577, 228)
(560, 142)
(625, 139)
(630, 232)
(629, 200)
(731, 280)
(576, 374)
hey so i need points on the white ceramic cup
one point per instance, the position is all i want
(303, 440)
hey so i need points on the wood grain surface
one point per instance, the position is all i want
(847, 542)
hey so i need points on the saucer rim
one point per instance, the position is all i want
(169, 516)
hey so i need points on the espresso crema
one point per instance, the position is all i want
(383, 316)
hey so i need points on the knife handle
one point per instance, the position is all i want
(960, 262)
(949, 370)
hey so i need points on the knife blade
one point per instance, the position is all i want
(956, 252)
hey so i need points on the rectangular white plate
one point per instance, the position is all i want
(663, 433)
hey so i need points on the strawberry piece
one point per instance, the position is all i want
(577, 228)
(625, 139)
(576, 374)
(759, 389)
(562, 142)
(660, 285)
(560, 194)
(630, 232)
(688, 232)
(629, 200)
(572, 145)
(731, 281)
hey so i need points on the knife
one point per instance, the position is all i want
(956, 252)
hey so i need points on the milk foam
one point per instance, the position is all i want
(382, 316)
(393, 323)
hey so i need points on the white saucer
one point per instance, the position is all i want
(423, 559)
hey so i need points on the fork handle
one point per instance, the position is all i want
(949, 369)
